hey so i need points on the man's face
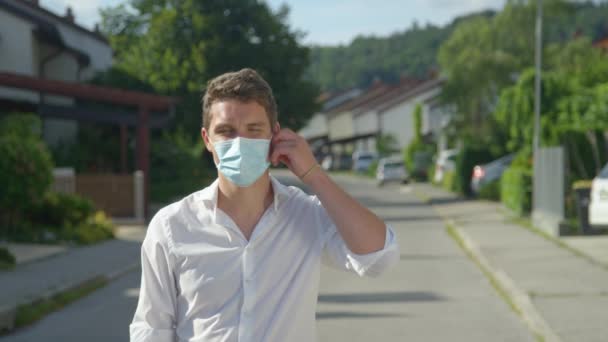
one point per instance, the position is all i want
(232, 118)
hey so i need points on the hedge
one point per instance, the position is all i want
(490, 191)
(516, 189)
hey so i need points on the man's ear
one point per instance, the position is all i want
(276, 128)
(206, 139)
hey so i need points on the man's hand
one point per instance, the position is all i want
(362, 231)
(292, 150)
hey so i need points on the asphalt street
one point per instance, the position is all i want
(435, 293)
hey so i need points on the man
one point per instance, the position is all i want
(240, 259)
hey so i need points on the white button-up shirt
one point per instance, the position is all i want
(203, 281)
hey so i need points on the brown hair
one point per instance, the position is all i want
(244, 85)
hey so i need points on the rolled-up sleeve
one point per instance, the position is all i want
(154, 319)
(337, 254)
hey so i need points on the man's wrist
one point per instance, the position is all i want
(315, 177)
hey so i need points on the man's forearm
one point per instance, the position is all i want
(361, 229)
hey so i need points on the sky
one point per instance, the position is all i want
(329, 22)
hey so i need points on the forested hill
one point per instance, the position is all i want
(414, 51)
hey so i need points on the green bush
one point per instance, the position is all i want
(60, 209)
(490, 191)
(371, 170)
(516, 189)
(25, 173)
(24, 126)
(418, 156)
(96, 228)
(65, 217)
(465, 162)
(448, 180)
(7, 260)
(431, 173)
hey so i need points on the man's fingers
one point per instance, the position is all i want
(284, 134)
(278, 151)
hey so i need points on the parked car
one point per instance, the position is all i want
(337, 162)
(446, 162)
(487, 173)
(328, 162)
(598, 206)
(363, 160)
(391, 170)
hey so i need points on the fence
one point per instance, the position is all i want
(118, 195)
(549, 189)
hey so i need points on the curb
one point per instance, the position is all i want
(520, 299)
(8, 313)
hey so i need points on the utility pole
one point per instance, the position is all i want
(537, 103)
(537, 80)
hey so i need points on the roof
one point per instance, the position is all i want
(419, 89)
(377, 89)
(42, 12)
(403, 87)
(340, 97)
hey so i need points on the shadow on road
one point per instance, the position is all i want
(427, 257)
(347, 314)
(390, 297)
(408, 218)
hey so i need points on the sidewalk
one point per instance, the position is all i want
(561, 295)
(67, 269)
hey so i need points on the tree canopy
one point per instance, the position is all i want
(177, 46)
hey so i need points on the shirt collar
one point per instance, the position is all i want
(209, 194)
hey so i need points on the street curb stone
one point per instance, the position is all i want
(521, 300)
(8, 313)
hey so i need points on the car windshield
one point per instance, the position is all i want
(604, 172)
(365, 158)
(392, 165)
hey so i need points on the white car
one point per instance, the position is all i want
(446, 161)
(391, 169)
(598, 206)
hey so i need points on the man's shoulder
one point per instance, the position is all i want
(177, 214)
(298, 197)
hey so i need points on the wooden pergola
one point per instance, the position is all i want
(144, 102)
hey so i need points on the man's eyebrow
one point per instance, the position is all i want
(255, 124)
(222, 126)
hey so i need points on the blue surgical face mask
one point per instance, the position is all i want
(242, 160)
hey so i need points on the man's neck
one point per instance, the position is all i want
(245, 205)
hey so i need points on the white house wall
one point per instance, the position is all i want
(399, 120)
(16, 54)
(316, 126)
(366, 123)
(100, 53)
(341, 126)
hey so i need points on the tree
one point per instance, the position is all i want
(485, 55)
(574, 110)
(26, 167)
(177, 46)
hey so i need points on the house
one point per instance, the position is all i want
(355, 124)
(38, 43)
(316, 130)
(395, 116)
(366, 118)
(45, 61)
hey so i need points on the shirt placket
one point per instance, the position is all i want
(246, 326)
